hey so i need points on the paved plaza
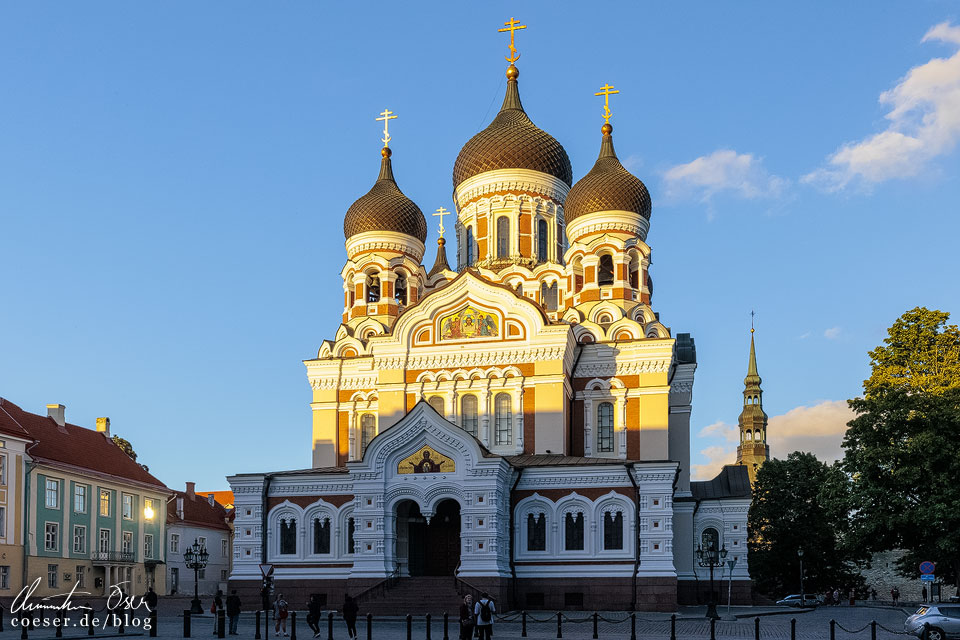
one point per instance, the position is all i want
(775, 623)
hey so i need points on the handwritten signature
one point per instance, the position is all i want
(116, 599)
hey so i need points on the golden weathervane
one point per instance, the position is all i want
(512, 26)
(386, 116)
(606, 91)
(440, 213)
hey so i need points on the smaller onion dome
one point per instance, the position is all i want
(512, 141)
(607, 187)
(385, 208)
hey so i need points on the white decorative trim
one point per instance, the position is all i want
(501, 180)
(385, 241)
(624, 221)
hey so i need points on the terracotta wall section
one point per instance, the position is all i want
(529, 419)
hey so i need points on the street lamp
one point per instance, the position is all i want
(802, 598)
(710, 557)
(195, 558)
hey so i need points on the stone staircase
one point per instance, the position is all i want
(416, 596)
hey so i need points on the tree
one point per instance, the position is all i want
(800, 503)
(921, 353)
(127, 448)
(903, 452)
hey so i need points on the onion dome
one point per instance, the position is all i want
(512, 141)
(385, 208)
(607, 187)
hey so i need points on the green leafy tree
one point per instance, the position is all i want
(127, 448)
(801, 503)
(921, 353)
(903, 452)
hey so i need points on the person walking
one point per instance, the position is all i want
(924, 592)
(215, 607)
(233, 611)
(314, 613)
(280, 613)
(466, 618)
(350, 610)
(151, 599)
(896, 596)
(484, 610)
(836, 597)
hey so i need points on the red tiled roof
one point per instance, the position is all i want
(8, 421)
(197, 511)
(75, 446)
(223, 497)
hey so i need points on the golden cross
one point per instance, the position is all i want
(606, 92)
(387, 116)
(751, 321)
(440, 213)
(512, 26)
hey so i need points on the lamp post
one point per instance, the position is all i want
(711, 557)
(802, 597)
(195, 558)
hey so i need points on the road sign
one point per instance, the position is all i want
(927, 567)
(927, 577)
(266, 570)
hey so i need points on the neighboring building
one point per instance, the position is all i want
(94, 517)
(522, 424)
(14, 440)
(222, 497)
(192, 518)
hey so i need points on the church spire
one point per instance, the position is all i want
(753, 450)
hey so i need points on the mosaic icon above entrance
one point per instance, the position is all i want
(469, 322)
(426, 460)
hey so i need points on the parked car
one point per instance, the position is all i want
(809, 600)
(943, 622)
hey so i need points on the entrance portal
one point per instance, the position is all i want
(428, 549)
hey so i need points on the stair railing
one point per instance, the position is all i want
(380, 588)
(463, 587)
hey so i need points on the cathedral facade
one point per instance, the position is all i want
(518, 423)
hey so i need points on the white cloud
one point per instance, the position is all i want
(818, 429)
(923, 123)
(723, 170)
(832, 333)
(804, 335)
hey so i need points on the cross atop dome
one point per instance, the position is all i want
(606, 91)
(512, 26)
(386, 116)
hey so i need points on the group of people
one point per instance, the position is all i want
(281, 611)
(476, 619)
(832, 597)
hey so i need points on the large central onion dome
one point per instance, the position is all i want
(512, 141)
(385, 208)
(607, 187)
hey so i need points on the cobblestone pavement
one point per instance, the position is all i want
(852, 623)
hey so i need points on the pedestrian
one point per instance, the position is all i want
(233, 611)
(836, 597)
(484, 611)
(216, 606)
(828, 598)
(896, 596)
(873, 594)
(151, 599)
(924, 592)
(350, 610)
(466, 618)
(314, 612)
(853, 597)
(280, 613)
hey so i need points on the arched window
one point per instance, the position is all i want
(710, 539)
(605, 427)
(536, 532)
(541, 240)
(469, 248)
(573, 530)
(368, 429)
(400, 290)
(288, 536)
(502, 418)
(503, 237)
(605, 270)
(468, 413)
(373, 288)
(321, 535)
(437, 403)
(634, 270)
(613, 530)
(351, 532)
(548, 296)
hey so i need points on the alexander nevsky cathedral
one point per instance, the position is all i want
(517, 424)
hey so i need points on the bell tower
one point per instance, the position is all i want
(753, 450)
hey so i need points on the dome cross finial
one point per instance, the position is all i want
(606, 91)
(512, 26)
(439, 214)
(386, 115)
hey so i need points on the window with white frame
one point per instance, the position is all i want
(573, 531)
(174, 543)
(537, 531)
(351, 533)
(148, 545)
(3, 469)
(4, 577)
(503, 434)
(368, 429)
(3, 522)
(503, 237)
(288, 536)
(51, 536)
(105, 503)
(468, 414)
(53, 572)
(224, 551)
(605, 427)
(104, 541)
(81, 576)
(79, 498)
(126, 542)
(127, 506)
(79, 539)
(321, 535)
(52, 494)
(437, 403)
(613, 530)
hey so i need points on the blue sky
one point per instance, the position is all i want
(173, 178)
